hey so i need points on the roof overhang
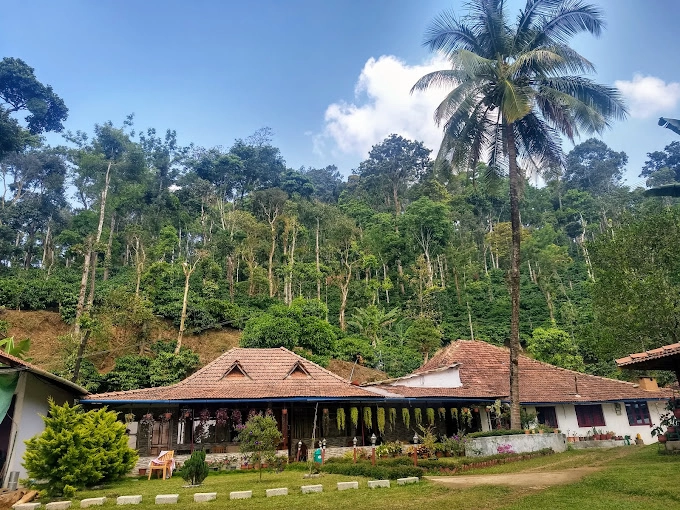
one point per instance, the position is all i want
(13, 364)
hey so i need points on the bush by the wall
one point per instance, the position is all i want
(78, 449)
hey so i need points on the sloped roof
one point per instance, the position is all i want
(485, 374)
(17, 363)
(666, 357)
(243, 374)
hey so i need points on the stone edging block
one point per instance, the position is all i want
(343, 486)
(26, 506)
(129, 500)
(58, 505)
(405, 481)
(374, 484)
(200, 497)
(308, 489)
(167, 499)
(241, 495)
(92, 502)
(281, 491)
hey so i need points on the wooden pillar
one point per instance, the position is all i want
(284, 427)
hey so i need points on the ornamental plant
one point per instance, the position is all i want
(195, 469)
(393, 417)
(406, 417)
(381, 420)
(368, 417)
(259, 439)
(430, 416)
(340, 419)
(78, 449)
(354, 416)
(418, 415)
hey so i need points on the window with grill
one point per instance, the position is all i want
(638, 413)
(547, 416)
(590, 416)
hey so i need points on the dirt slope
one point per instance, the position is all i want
(47, 351)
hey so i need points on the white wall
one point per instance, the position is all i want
(618, 423)
(31, 402)
(449, 378)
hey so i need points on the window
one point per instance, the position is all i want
(546, 416)
(638, 413)
(590, 416)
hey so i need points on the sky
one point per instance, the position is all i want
(330, 77)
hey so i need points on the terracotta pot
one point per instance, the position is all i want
(527, 431)
(142, 471)
(662, 439)
(671, 429)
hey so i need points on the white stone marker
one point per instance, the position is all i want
(167, 499)
(343, 486)
(282, 491)
(26, 506)
(241, 495)
(308, 489)
(129, 500)
(406, 481)
(58, 505)
(201, 497)
(374, 484)
(92, 502)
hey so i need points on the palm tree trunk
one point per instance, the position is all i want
(515, 184)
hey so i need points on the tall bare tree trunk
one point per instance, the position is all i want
(80, 308)
(188, 271)
(318, 264)
(230, 276)
(46, 243)
(272, 250)
(109, 245)
(515, 347)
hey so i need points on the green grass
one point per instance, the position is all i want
(629, 478)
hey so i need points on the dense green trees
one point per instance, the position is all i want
(381, 269)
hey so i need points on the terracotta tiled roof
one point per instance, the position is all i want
(249, 374)
(484, 373)
(14, 362)
(653, 354)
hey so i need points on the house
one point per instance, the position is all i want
(206, 409)
(454, 392)
(24, 393)
(571, 401)
(666, 357)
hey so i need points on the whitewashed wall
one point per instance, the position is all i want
(31, 402)
(568, 424)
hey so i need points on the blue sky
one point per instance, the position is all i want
(330, 77)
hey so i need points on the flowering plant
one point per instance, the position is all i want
(221, 416)
(505, 448)
(236, 419)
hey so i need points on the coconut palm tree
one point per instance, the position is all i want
(514, 89)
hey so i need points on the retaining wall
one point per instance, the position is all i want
(483, 446)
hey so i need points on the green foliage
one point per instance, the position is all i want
(259, 439)
(556, 347)
(364, 468)
(195, 469)
(78, 449)
(424, 336)
(18, 349)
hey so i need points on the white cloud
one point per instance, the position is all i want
(649, 95)
(383, 104)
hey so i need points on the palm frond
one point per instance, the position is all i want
(602, 98)
(446, 35)
(454, 99)
(472, 64)
(487, 20)
(516, 100)
(571, 18)
(537, 141)
(533, 9)
(443, 78)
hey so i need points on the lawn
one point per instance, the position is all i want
(628, 478)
